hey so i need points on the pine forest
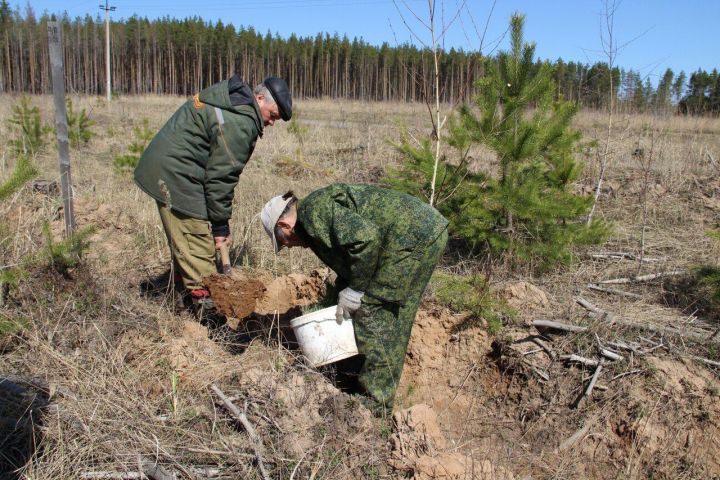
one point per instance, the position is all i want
(180, 57)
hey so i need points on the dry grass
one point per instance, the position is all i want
(129, 377)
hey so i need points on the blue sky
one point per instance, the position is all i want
(661, 33)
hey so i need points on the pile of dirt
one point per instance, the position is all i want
(421, 449)
(485, 408)
(196, 358)
(439, 364)
(307, 408)
(524, 297)
(305, 423)
(246, 292)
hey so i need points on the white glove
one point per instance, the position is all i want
(348, 303)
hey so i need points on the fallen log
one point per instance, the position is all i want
(593, 380)
(623, 256)
(588, 391)
(643, 278)
(107, 475)
(706, 361)
(696, 336)
(606, 352)
(572, 358)
(634, 348)
(613, 291)
(558, 326)
(610, 354)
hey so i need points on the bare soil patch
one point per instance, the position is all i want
(653, 415)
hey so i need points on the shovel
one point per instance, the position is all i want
(225, 259)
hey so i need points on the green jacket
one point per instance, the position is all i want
(193, 164)
(374, 239)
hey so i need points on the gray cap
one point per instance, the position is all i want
(270, 215)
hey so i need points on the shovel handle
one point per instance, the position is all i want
(225, 258)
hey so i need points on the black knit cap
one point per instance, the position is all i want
(281, 93)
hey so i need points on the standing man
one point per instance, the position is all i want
(384, 246)
(192, 166)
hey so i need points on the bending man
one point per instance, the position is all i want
(384, 246)
(192, 166)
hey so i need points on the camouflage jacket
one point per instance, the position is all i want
(373, 238)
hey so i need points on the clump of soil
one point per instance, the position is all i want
(236, 295)
(294, 290)
(244, 293)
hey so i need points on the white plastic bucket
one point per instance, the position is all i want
(321, 339)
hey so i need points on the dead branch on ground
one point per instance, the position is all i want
(574, 438)
(624, 256)
(696, 336)
(613, 291)
(643, 278)
(242, 418)
(558, 326)
(108, 475)
(706, 361)
(610, 355)
(588, 391)
(539, 342)
(573, 358)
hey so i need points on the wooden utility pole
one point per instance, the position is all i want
(61, 127)
(107, 9)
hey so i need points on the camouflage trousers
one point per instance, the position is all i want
(382, 329)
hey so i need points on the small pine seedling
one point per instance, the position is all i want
(78, 126)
